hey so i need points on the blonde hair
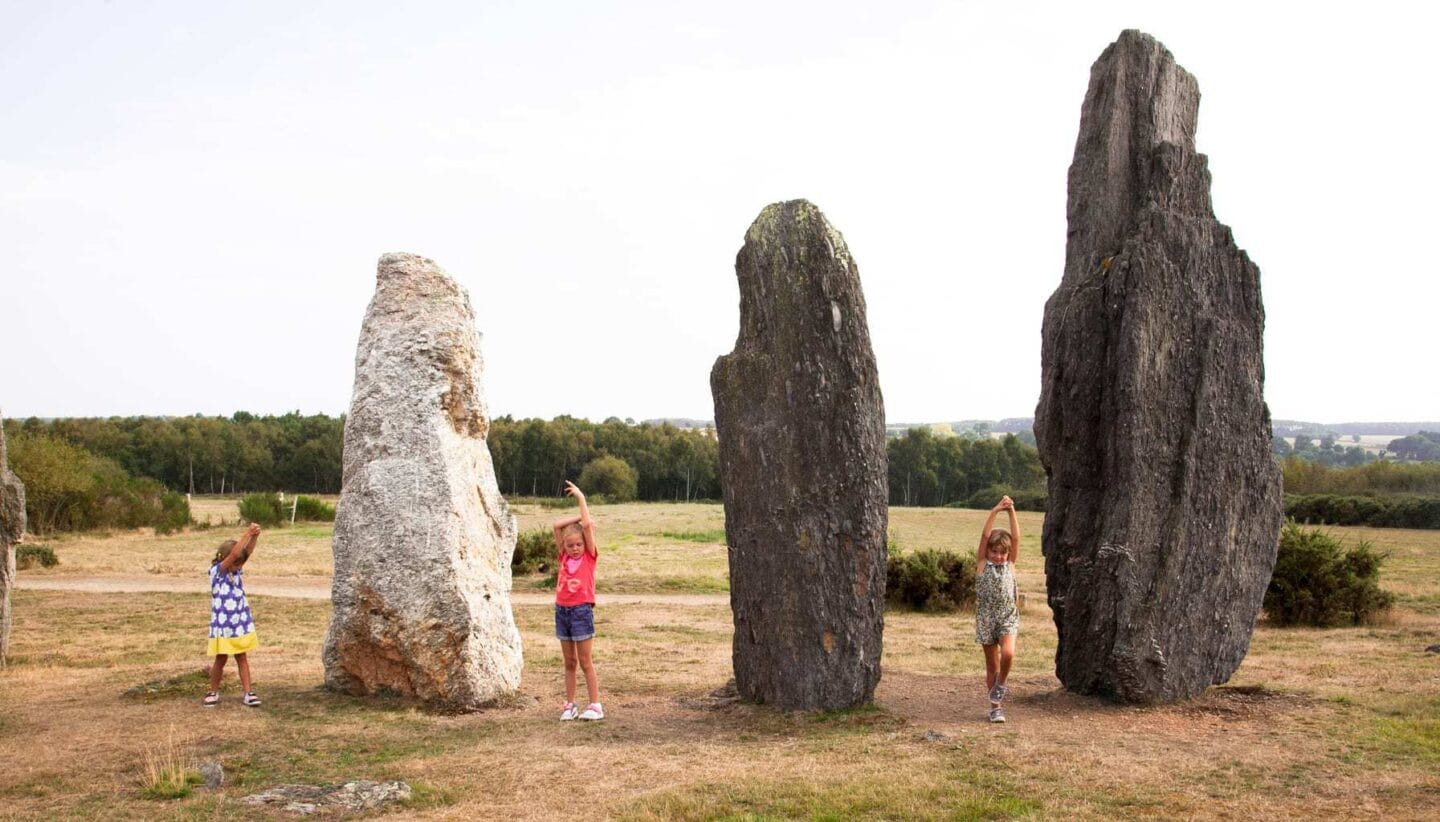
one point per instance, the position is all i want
(223, 551)
(998, 539)
(572, 528)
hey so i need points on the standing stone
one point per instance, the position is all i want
(423, 539)
(802, 461)
(12, 527)
(1165, 502)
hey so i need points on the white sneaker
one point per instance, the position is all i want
(569, 712)
(250, 700)
(593, 712)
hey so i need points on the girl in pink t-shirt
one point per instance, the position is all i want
(575, 605)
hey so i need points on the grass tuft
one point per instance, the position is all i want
(168, 773)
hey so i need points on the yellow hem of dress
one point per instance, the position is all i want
(233, 644)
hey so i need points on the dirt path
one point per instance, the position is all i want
(317, 588)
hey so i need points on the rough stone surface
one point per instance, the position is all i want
(12, 527)
(350, 797)
(423, 539)
(213, 773)
(801, 426)
(1164, 501)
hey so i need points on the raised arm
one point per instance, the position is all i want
(1014, 530)
(242, 549)
(587, 526)
(985, 540)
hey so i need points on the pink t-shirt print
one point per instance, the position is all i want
(575, 583)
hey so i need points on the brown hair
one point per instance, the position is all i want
(223, 551)
(1000, 539)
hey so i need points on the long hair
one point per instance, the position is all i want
(223, 551)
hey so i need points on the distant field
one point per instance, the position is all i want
(1374, 443)
(646, 547)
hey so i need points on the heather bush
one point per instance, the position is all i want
(313, 509)
(30, 555)
(535, 552)
(929, 579)
(1319, 583)
(262, 508)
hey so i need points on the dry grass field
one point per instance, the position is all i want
(1315, 724)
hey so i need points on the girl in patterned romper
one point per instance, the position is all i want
(232, 631)
(997, 620)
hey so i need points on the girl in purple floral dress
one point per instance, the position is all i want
(232, 630)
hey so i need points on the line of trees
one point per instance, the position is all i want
(293, 452)
(210, 455)
(534, 457)
(298, 453)
(1422, 445)
(1325, 451)
(114, 472)
(930, 470)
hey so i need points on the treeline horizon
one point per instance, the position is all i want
(299, 453)
(534, 457)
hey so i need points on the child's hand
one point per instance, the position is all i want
(571, 489)
(253, 530)
(1007, 504)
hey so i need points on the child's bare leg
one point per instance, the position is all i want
(592, 685)
(1007, 656)
(242, 664)
(217, 669)
(992, 665)
(567, 649)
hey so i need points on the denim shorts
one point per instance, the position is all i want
(575, 623)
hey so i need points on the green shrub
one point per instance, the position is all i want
(70, 489)
(535, 552)
(1318, 583)
(313, 509)
(929, 579)
(174, 513)
(610, 477)
(262, 508)
(28, 556)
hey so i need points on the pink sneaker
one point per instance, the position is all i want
(569, 712)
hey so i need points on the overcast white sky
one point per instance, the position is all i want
(193, 195)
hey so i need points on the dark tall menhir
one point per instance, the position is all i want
(801, 426)
(1164, 501)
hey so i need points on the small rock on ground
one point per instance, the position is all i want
(213, 773)
(360, 795)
